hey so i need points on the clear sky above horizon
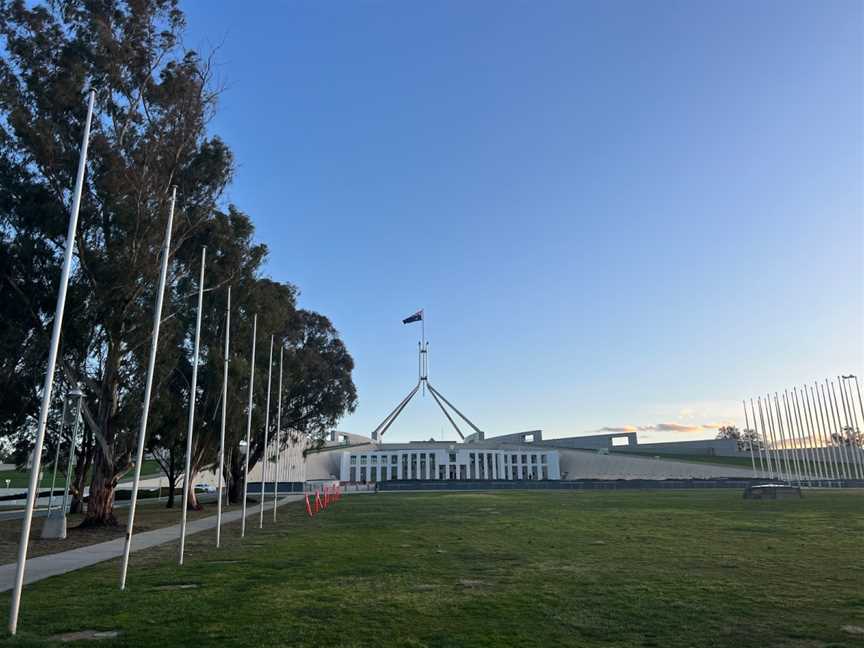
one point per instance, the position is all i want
(614, 213)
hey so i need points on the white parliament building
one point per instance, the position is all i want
(448, 461)
(525, 456)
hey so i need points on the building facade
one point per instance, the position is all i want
(448, 461)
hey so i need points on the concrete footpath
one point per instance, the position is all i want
(66, 561)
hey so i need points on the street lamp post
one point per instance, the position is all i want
(55, 525)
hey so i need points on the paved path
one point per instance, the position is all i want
(67, 561)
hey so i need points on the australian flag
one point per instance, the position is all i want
(416, 317)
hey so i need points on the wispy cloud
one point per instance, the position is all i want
(664, 427)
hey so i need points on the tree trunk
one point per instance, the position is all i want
(172, 486)
(192, 503)
(235, 489)
(83, 461)
(100, 507)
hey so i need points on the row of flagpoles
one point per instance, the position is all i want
(811, 436)
(142, 432)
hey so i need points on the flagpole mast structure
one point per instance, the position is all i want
(222, 429)
(266, 430)
(278, 434)
(193, 392)
(148, 388)
(47, 388)
(249, 426)
(423, 383)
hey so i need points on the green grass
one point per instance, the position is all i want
(21, 478)
(710, 459)
(666, 569)
(742, 462)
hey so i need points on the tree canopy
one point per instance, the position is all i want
(154, 102)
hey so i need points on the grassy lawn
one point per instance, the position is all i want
(20, 479)
(743, 462)
(681, 568)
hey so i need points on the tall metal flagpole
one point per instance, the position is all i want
(805, 435)
(800, 437)
(823, 432)
(423, 350)
(278, 434)
(793, 449)
(47, 388)
(771, 471)
(814, 433)
(851, 427)
(847, 427)
(861, 407)
(249, 426)
(193, 393)
(775, 432)
(148, 389)
(266, 430)
(787, 463)
(750, 438)
(222, 429)
(855, 429)
(835, 414)
(764, 438)
(826, 425)
(772, 407)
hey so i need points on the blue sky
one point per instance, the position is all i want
(614, 213)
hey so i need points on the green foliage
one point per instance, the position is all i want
(154, 101)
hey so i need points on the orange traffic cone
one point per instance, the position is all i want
(308, 507)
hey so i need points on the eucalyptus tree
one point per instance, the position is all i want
(154, 101)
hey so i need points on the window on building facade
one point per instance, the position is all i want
(524, 459)
(394, 460)
(353, 460)
(363, 460)
(375, 459)
(533, 459)
(543, 459)
(452, 457)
